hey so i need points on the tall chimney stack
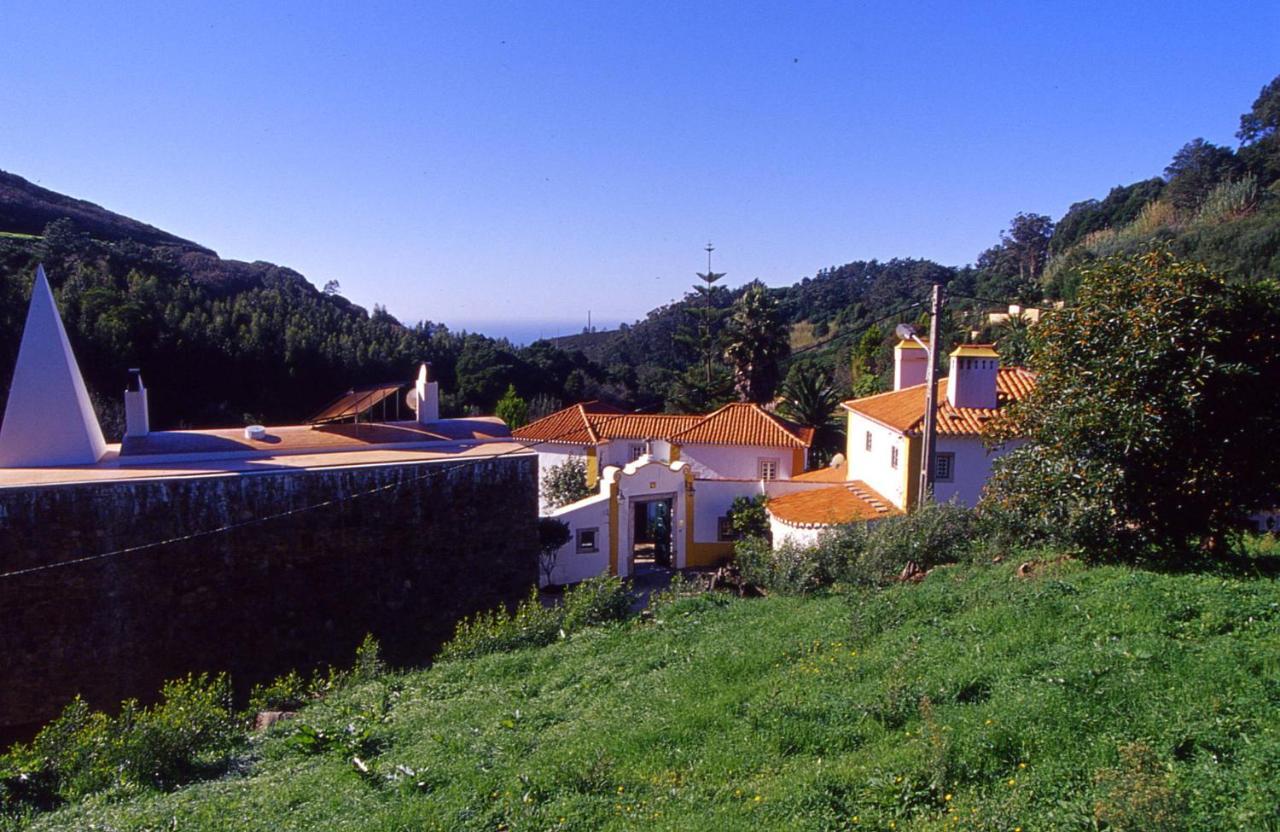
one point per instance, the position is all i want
(910, 364)
(973, 376)
(137, 417)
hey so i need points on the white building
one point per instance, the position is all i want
(881, 474)
(660, 475)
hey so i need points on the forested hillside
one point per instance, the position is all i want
(1214, 204)
(223, 341)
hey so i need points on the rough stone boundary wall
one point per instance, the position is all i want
(295, 592)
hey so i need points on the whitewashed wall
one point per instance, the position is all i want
(571, 565)
(737, 462)
(972, 469)
(782, 533)
(875, 467)
(711, 501)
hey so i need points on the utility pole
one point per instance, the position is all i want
(930, 400)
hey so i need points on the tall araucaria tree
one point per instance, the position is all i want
(757, 343)
(1156, 405)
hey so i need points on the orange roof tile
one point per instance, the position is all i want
(832, 473)
(903, 410)
(741, 423)
(642, 425)
(830, 506)
(591, 423)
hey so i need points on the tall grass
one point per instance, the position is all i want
(984, 698)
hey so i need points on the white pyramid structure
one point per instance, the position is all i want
(48, 419)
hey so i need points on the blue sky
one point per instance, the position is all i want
(475, 163)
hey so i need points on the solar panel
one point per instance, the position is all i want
(354, 402)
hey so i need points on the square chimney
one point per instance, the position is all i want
(972, 382)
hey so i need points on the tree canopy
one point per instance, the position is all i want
(1155, 393)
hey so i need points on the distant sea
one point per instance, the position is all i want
(522, 333)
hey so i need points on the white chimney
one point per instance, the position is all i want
(973, 376)
(137, 417)
(910, 364)
(427, 396)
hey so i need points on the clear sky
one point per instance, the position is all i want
(480, 162)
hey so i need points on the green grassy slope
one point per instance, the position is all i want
(1073, 699)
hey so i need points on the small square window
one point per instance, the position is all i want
(868, 440)
(588, 540)
(893, 457)
(944, 467)
(768, 469)
(725, 530)
(637, 451)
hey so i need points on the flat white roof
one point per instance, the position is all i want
(115, 468)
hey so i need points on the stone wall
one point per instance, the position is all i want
(440, 541)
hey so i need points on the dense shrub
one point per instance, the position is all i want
(192, 731)
(859, 554)
(497, 631)
(785, 568)
(748, 518)
(595, 601)
(565, 483)
(935, 534)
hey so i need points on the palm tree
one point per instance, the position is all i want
(810, 398)
(758, 341)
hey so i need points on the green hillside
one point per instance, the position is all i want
(983, 698)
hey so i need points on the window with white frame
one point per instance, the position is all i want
(637, 450)
(768, 469)
(944, 467)
(588, 540)
(893, 457)
(868, 440)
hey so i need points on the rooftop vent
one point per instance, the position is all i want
(255, 432)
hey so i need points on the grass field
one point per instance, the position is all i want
(1076, 698)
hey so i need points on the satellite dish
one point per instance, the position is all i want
(905, 331)
(411, 400)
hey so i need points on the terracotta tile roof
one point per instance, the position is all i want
(745, 424)
(832, 473)
(642, 425)
(591, 423)
(830, 506)
(903, 410)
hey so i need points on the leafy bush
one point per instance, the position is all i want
(565, 483)
(748, 518)
(592, 602)
(861, 555)
(497, 631)
(1154, 392)
(935, 534)
(596, 601)
(786, 568)
(368, 664)
(284, 693)
(193, 730)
